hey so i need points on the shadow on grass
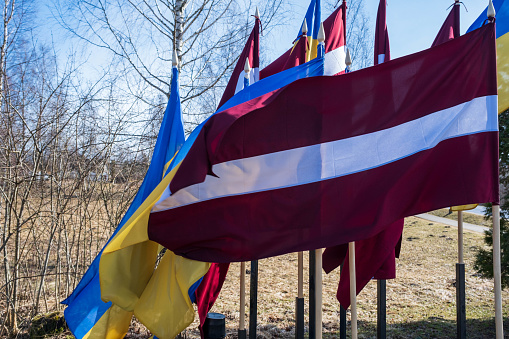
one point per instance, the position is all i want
(432, 327)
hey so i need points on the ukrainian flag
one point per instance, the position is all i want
(502, 21)
(161, 298)
(87, 315)
(313, 19)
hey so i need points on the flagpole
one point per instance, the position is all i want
(353, 288)
(299, 301)
(497, 271)
(242, 311)
(312, 300)
(242, 319)
(344, 19)
(253, 286)
(253, 299)
(497, 274)
(461, 316)
(315, 264)
(318, 293)
(351, 251)
(319, 252)
(381, 284)
(342, 310)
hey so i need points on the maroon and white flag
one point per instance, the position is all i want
(335, 51)
(251, 51)
(450, 27)
(302, 168)
(382, 49)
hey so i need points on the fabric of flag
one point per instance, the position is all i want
(130, 251)
(382, 50)
(376, 255)
(87, 315)
(450, 27)
(313, 19)
(251, 52)
(335, 51)
(210, 287)
(300, 53)
(127, 270)
(381, 151)
(449, 31)
(502, 20)
(127, 275)
(208, 291)
(374, 259)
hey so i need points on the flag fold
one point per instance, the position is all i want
(379, 152)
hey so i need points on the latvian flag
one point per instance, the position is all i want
(328, 160)
(382, 50)
(447, 32)
(251, 51)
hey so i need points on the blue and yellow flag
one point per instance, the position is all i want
(161, 298)
(502, 21)
(87, 315)
(313, 19)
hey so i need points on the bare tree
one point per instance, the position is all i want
(58, 201)
(207, 35)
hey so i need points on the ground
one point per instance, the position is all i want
(420, 301)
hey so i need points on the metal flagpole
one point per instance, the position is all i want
(342, 310)
(351, 251)
(299, 301)
(381, 309)
(353, 288)
(342, 317)
(312, 300)
(253, 300)
(242, 317)
(461, 317)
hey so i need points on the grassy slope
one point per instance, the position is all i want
(420, 301)
(467, 217)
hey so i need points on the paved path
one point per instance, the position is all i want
(466, 226)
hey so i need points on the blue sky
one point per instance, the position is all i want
(412, 24)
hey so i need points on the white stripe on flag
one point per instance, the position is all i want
(335, 61)
(339, 158)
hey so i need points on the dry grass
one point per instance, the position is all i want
(420, 301)
(467, 217)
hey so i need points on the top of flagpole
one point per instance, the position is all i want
(321, 34)
(247, 67)
(304, 27)
(348, 59)
(175, 60)
(491, 10)
(257, 13)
